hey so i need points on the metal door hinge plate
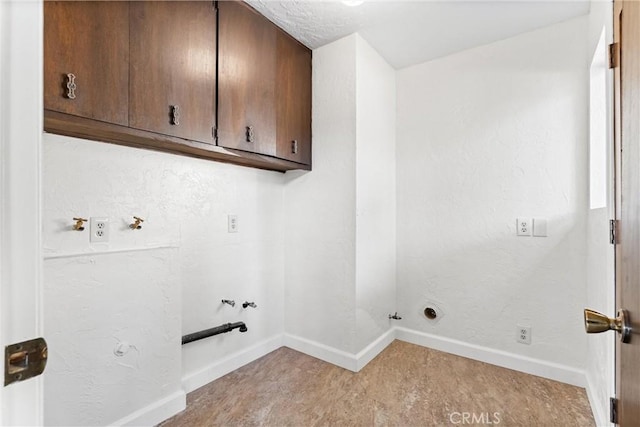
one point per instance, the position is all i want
(613, 410)
(614, 57)
(24, 360)
(612, 231)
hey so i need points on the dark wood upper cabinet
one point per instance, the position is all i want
(293, 102)
(173, 68)
(89, 41)
(246, 79)
(170, 75)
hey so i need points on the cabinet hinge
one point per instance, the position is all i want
(613, 410)
(214, 133)
(215, 5)
(613, 231)
(614, 57)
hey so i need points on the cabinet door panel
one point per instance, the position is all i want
(91, 41)
(173, 64)
(293, 100)
(246, 79)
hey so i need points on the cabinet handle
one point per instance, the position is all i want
(294, 146)
(250, 134)
(71, 86)
(175, 115)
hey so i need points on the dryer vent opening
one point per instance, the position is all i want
(430, 313)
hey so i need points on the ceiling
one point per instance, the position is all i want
(410, 32)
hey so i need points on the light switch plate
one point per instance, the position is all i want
(523, 227)
(540, 227)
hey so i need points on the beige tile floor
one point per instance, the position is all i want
(406, 385)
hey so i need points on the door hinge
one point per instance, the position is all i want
(215, 5)
(614, 57)
(613, 410)
(613, 234)
(24, 360)
(214, 133)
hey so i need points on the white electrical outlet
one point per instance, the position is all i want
(99, 230)
(523, 334)
(523, 226)
(232, 223)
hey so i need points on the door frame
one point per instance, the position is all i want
(627, 146)
(21, 111)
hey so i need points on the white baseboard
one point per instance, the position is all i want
(349, 361)
(320, 351)
(600, 409)
(157, 412)
(375, 348)
(230, 363)
(541, 368)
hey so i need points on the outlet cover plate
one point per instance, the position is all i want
(232, 223)
(99, 227)
(523, 226)
(523, 334)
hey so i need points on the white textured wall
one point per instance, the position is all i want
(185, 203)
(375, 194)
(485, 136)
(94, 303)
(600, 285)
(320, 206)
(340, 234)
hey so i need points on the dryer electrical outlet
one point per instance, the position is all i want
(99, 230)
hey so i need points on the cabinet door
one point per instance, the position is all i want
(246, 80)
(89, 40)
(293, 100)
(173, 68)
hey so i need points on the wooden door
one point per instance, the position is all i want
(627, 139)
(246, 80)
(293, 89)
(89, 40)
(173, 68)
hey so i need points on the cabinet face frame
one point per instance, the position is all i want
(173, 68)
(247, 44)
(88, 40)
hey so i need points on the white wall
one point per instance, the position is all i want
(185, 203)
(340, 233)
(485, 136)
(320, 209)
(95, 304)
(600, 286)
(375, 194)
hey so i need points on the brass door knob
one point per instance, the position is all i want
(595, 322)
